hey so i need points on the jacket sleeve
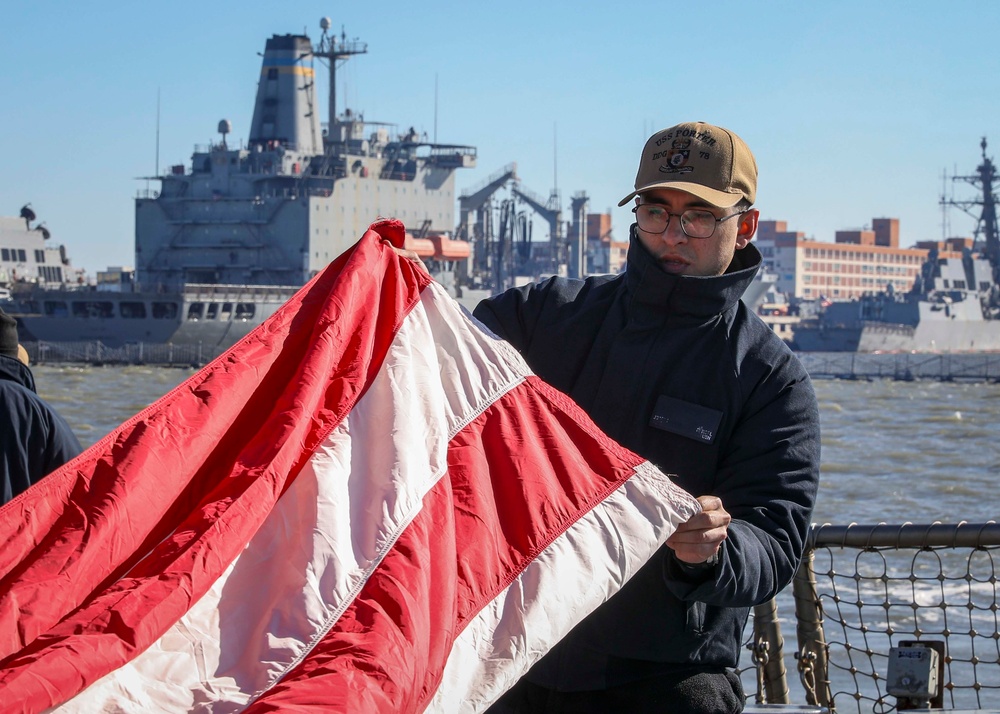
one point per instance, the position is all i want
(767, 479)
(34, 439)
(513, 313)
(62, 444)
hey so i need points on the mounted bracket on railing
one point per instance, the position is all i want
(807, 673)
(759, 658)
(915, 672)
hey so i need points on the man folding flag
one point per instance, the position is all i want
(368, 504)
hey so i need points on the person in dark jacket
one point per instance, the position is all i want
(670, 363)
(34, 439)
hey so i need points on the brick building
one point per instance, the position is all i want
(857, 262)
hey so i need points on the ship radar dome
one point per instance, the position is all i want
(324, 24)
(225, 126)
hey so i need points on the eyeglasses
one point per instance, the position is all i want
(695, 222)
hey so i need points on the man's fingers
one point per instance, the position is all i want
(710, 503)
(410, 255)
(700, 537)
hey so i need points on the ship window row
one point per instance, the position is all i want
(854, 268)
(158, 310)
(105, 309)
(857, 282)
(19, 255)
(50, 273)
(221, 311)
(863, 256)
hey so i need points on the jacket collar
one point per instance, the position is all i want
(13, 370)
(698, 296)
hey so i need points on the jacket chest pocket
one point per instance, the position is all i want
(692, 421)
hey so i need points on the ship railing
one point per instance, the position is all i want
(208, 291)
(861, 590)
(508, 170)
(97, 353)
(905, 366)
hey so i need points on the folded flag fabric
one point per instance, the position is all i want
(368, 504)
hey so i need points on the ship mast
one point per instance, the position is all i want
(987, 172)
(333, 51)
(985, 176)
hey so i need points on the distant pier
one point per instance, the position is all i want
(964, 366)
(971, 367)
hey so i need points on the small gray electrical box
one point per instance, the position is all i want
(913, 672)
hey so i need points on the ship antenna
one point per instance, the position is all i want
(156, 171)
(329, 49)
(555, 160)
(945, 228)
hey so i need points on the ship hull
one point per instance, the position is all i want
(931, 336)
(216, 317)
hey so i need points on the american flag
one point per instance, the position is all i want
(369, 503)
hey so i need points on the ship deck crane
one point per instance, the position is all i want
(481, 235)
(578, 250)
(565, 258)
(552, 213)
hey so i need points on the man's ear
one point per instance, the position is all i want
(747, 228)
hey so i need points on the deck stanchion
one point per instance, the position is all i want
(767, 631)
(809, 631)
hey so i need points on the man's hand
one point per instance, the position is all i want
(410, 255)
(700, 537)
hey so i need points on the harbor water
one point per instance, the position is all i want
(893, 451)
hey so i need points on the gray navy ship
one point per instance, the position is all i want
(224, 243)
(954, 305)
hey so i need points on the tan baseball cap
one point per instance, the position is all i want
(706, 161)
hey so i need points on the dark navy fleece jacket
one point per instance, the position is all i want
(34, 439)
(679, 370)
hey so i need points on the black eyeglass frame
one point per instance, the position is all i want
(635, 210)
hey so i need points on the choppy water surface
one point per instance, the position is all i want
(908, 451)
(892, 451)
(95, 400)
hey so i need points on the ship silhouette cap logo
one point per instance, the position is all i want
(706, 161)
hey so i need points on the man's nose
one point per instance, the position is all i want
(674, 233)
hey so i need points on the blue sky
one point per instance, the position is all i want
(854, 110)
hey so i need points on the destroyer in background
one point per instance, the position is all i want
(954, 305)
(221, 246)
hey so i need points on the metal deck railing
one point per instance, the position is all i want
(861, 590)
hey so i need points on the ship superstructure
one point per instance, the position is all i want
(954, 305)
(278, 210)
(28, 256)
(222, 244)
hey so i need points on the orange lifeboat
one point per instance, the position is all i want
(447, 249)
(421, 246)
